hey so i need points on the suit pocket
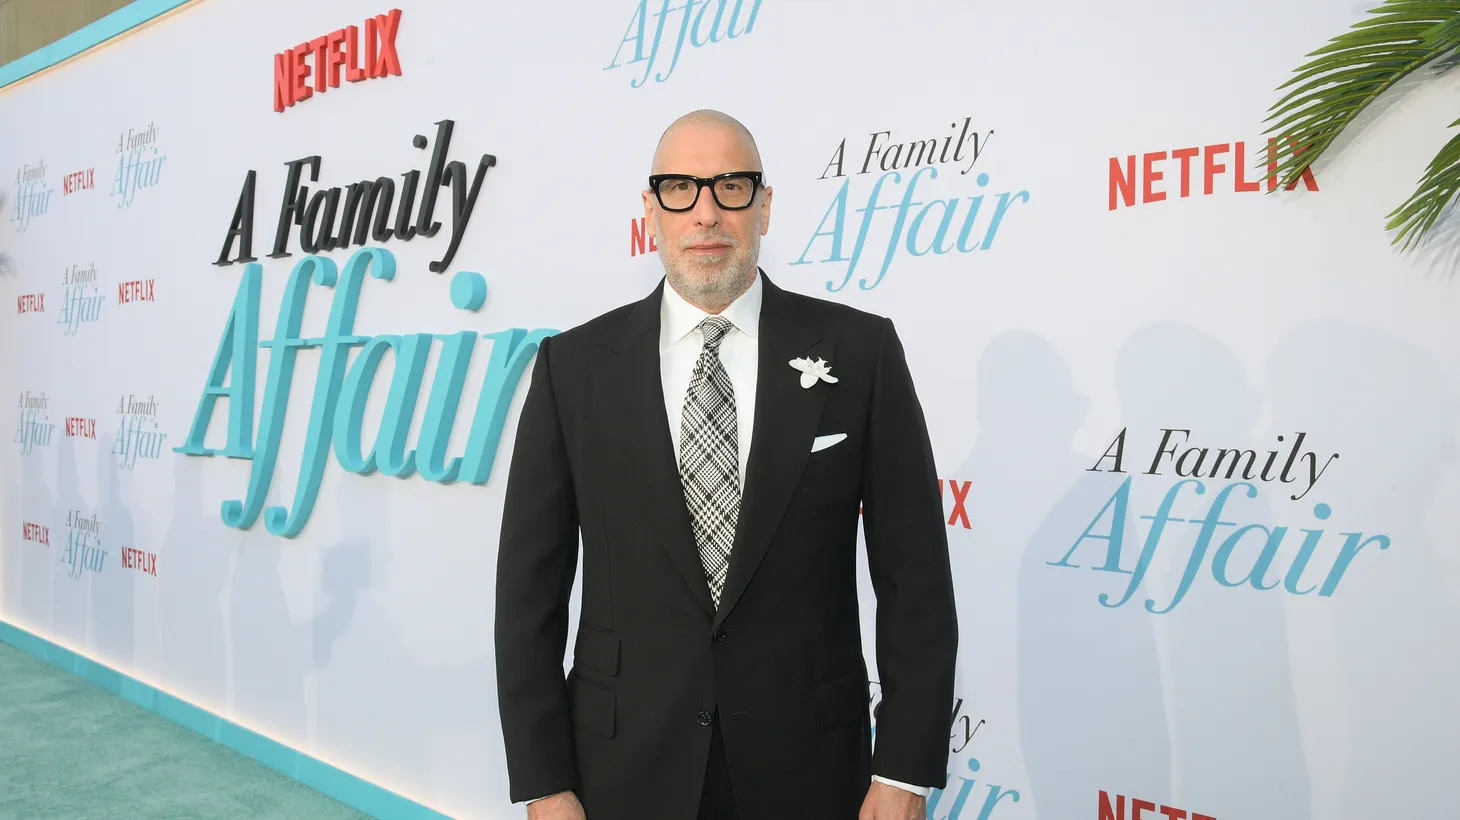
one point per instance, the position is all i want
(841, 453)
(593, 706)
(843, 699)
(596, 649)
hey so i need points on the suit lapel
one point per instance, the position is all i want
(786, 418)
(631, 395)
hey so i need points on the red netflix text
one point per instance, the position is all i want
(1143, 810)
(139, 560)
(1200, 165)
(958, 512)
(138, 290)
(340, 49)
(638, 235)
(31, 303)
(36, 533)
(958, 517)
(77, 426)
(79, 181)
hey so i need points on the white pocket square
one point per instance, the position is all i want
(823, 442)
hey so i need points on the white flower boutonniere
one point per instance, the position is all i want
(811, 371)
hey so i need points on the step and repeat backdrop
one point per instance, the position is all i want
(279, 271)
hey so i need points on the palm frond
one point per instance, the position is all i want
(1440, 183)
(1350, 72)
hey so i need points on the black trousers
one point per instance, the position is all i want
(717, 801)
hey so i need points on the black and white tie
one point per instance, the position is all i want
(709, 457)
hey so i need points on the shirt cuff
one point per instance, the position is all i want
(921, 791)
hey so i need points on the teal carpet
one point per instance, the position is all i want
(70, 750)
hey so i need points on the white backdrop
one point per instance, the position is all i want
(1034, 339)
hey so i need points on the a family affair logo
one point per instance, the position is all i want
(81, 298)
(32, 195)
(139, 165)
(1112, 807)
(342, 387)
(957, 799)
(137, 436)
(915, 227)
(1142, 178)
(83, 180)
(145, 562)
(334, 218)
(695, 23)
(35, 532)
(35, 427)
(1292, 467)
(332, 55)
(84, 551)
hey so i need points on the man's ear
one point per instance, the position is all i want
(648, 212)
(765, 212)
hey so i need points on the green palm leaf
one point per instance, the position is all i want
(1328, 93)
(1437, 187)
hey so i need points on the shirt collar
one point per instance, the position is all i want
(678, 318)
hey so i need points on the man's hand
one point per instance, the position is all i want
(886, 802)
(561, 806)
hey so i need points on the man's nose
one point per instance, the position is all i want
(706, 211)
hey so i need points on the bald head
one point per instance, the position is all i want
(692, 136)
(710, 252)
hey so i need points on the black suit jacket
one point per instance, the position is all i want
(781, 661)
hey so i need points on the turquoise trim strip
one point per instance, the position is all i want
(120, 21)
(322, 777)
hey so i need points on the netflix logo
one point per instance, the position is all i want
(639, 235)
(37, 533)
(340, 49)
(958, 490)
(137, 290)
(30, 303)
(1155, 175)
(955, 500)
(79, 181)
(139, 560)
(1143, 810)
(77, 427)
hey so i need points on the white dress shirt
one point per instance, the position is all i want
(680, 343)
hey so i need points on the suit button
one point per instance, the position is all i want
(719, 635)
(706, 719)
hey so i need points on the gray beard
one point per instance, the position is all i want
(702, 285)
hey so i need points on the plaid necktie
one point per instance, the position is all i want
(709, 457)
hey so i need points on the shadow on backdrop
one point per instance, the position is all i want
(268, 645)
(1091, 712)
(1020, 463)
(1395, 614)
(192, 570)
(379, 706)
(70, 580)
(1237, 740)
(113, 591)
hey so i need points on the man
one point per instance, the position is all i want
(712, 444)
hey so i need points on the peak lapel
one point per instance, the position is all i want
(631, 395)
(786, 417)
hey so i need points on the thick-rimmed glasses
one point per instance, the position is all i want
(679, 192)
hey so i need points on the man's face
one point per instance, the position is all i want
(709, 254)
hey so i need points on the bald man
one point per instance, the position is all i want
(715, 446)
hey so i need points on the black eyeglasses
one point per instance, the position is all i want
(679, 192)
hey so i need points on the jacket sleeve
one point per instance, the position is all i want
(907, 556)
(537, 558)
